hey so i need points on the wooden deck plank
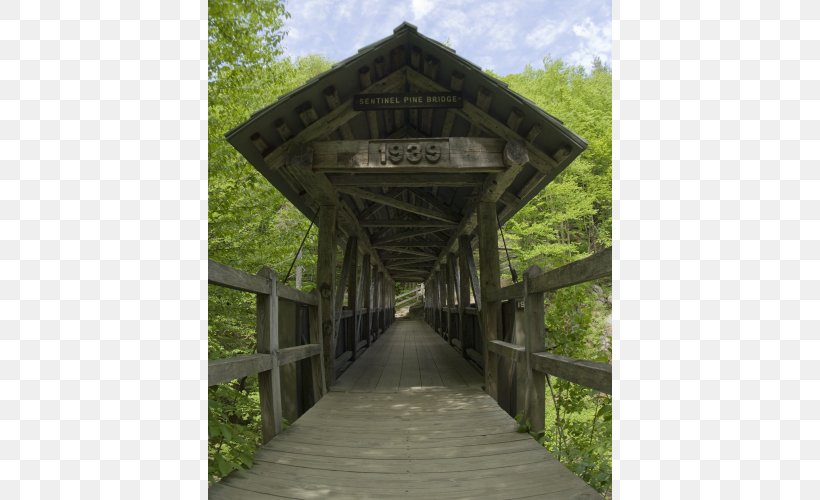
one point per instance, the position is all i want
(407, 420)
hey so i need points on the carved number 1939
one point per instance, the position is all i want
(412, 153)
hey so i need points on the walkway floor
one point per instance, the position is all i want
(406, 420)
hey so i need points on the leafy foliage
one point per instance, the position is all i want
(250, 224)
(569, 220)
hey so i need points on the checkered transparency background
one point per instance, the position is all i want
(718, 240)
(102, 249)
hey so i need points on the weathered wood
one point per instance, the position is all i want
(431, 65)
(434, 202)
(595, 266)
(590, 374)
(411, 244)
(267, 342)
(407, 223)
(508, 350)
(225, 370)
(294, 354)
(332, 99)
(367, 295)
(366, 81)
(482, 101)
(282, 129)
(454, 155)
(514, 119)
(222, 275)
(466, 250)
(292, 294)
(490, 282)
(407, 180)
(515, 157)
(347, 265)
(463, 294)
(401, 205)
(456, 84)
(404, 235)
(317, 363)
(326, 285)
(510, 292)
(353, 300)
(380, 67)
(534, 342)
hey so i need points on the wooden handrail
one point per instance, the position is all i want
(595, 266)
(222, 275)
(227, 369)
(294, 295)
(592, 374)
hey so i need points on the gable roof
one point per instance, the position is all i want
(279, 141)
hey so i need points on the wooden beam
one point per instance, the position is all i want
(332, 100)
(534, 342)
(411, 244)
(366, 81)
(406, 223)
(595, 266)
(225, 370)
(482, 101)
(347, 265)
(298, 353)
(367, 294)
(456, 85)
(267, 342)
(406, 180)
(408, 234)
(510, 351)
(325, 284)
(466, 252)
(490, 282)
(294, 295)
(222, 275)
(591, 374)
(423, 155)
(353, 299)
(463, 294)
(410, 251)
(401, 205)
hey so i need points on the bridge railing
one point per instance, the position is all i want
(525, 358)
(269, 357)
(520, 361)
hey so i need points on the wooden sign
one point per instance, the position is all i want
(367, 102)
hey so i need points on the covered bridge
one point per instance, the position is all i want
(409, 157)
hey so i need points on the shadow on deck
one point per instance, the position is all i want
(407, 420)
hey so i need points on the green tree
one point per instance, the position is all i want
(569, 220)
(250, 224)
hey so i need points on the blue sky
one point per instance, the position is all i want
(502, 36)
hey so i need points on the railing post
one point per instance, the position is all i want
(267, 342)
(534, 342)
(325, 283)
(317, 363)
(490, 283)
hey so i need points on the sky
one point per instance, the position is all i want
(503, 36)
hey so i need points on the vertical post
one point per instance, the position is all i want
(377, 322)
(490, 283)
(463, 291)
(367, 285)
(326, 281)
(353, 301)
(534, 332)
(445, 302)
(347, 265)
(452, 296)
(317, 363)
(267, 342)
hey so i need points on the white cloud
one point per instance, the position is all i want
(421, 8)
(596, 40)
(544, 34)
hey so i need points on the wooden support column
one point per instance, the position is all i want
(353, 301)
(452, 275)
(534, 333)
(490, 283)
(448, 300)
(344, 281)
(267, 342)
(463, 291)
(317, 363)
(367, 290)
(326, 281)
(377, 323)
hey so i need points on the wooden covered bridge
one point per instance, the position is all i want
(408, 157)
